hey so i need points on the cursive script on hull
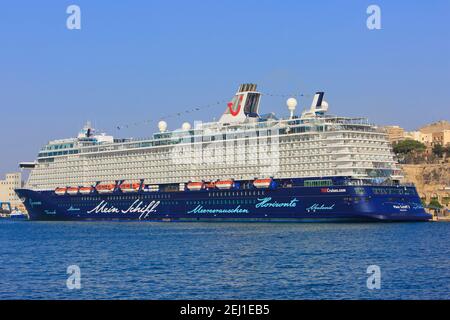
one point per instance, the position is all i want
(320, 207)
(200, 209)
(269, 203)
(138, 206)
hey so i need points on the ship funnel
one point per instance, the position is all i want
(243, 105)
(247, 87)
(87, 131)
(317, 101)
(318, 106)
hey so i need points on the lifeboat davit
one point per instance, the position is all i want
(224, 184)
(105, 188)
(195, 186)
(72, 190)
(262, 183)
(60, 191)
(86, 190)
(130, 187)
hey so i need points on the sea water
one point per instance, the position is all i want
(145, 260)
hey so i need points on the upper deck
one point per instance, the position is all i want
(88, 142)
(242, 145)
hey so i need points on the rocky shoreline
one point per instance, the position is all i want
(433, 183)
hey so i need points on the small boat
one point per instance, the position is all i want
(195, 186)
(130, 187)
(86, 190)
(60, 191)
(72, 190)
(262, 183)
(105, 188)
(224, 184)
(18, 215)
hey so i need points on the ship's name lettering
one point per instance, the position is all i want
(401, 206)
(268, 203)
(138, 206)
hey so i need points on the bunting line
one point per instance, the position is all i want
(201, 108)
(173, 115)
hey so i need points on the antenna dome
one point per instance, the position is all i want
(162, 125)
(291, 104)
(186, 126)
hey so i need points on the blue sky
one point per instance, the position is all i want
(141, 60)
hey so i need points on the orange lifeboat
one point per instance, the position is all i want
(105, 188)
(72, 190)
(195, 186)
(60, 191)
(224, 184)
(262, 183)
(130, 187)
(86, 190)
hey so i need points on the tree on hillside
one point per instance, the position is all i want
(408, 146)
(438, 150)
(434, 204)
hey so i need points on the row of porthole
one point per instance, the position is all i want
(235, 194)
(222, 202)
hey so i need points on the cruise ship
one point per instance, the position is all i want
(246, 166)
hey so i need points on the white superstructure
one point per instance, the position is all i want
(241, 145)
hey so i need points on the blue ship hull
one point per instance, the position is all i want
(297, 203)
